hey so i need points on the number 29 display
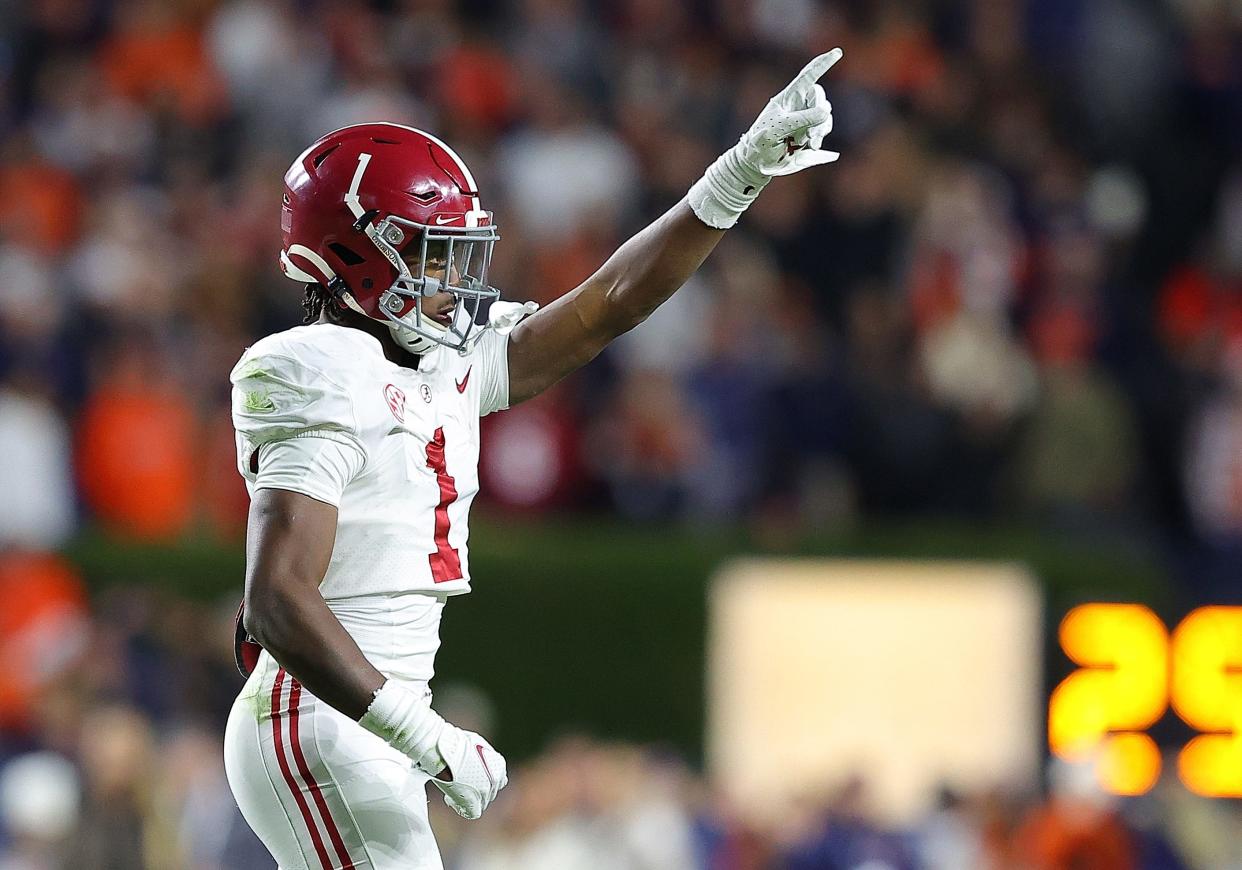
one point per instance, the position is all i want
(1131, 669)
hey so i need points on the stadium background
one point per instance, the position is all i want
(1007, 325)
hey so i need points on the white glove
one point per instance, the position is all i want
(404, 719)
(784, 139)
(479, 772)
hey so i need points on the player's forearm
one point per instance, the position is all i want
(308, 641)
(289, 546)
(573, 330)
(649, 268)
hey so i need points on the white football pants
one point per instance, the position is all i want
(321, 792)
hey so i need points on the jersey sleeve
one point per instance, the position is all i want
(312, 465)
(492, 360)
(280, 399)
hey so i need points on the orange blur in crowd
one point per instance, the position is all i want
(42, 615)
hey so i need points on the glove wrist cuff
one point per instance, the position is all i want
(405, 721)
(727, 189)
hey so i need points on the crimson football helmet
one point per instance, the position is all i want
(361, 202)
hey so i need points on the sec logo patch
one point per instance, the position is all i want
(395, 398)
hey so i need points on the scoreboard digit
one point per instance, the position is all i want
(1207, 695)
(1120, 690)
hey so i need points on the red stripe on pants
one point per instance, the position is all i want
(324, 859)
(295, 693)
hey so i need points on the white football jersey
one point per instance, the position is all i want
(320, 410)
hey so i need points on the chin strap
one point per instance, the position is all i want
(409, 340)
(502, 317)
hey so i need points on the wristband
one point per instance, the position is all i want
(727, 189)
(405, 721)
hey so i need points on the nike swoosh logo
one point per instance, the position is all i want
(441, 221)
(486, 769)
(461, 385)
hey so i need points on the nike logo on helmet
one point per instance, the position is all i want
(440, 220)
(461, 385)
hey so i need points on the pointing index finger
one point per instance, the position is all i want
(805, 80)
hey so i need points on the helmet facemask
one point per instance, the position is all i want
(449, 259)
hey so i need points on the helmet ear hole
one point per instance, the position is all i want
(347, 255)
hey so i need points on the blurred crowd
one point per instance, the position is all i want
(115, 764)
(1018, 295)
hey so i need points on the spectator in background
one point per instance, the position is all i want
(1200, 319)
(950, 837)
(136, 454)
(35, 475)
(39, 798)
(84, 128)
(1078, 826)
(647, 446)
(117, 830)
(1079, 453)
(154, 55)
(846, 837)
(963, 284)
(566, 174)
(1214, 479)
(40, 203)
(590, 805)
(44, 629)
(193, 800)
(274, 64)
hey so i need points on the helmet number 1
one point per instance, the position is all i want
(445, 561)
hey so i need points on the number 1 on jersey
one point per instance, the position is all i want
(445, 561)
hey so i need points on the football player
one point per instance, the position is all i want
(358, 438)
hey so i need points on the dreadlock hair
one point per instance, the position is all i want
(317, 300)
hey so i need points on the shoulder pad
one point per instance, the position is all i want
(286, 385)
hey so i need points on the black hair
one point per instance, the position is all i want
(317, 300)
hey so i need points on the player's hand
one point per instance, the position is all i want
(478, 771)
(787, 135)
(784, 139)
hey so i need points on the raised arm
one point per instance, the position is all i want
(643, 272)
(649, 268)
